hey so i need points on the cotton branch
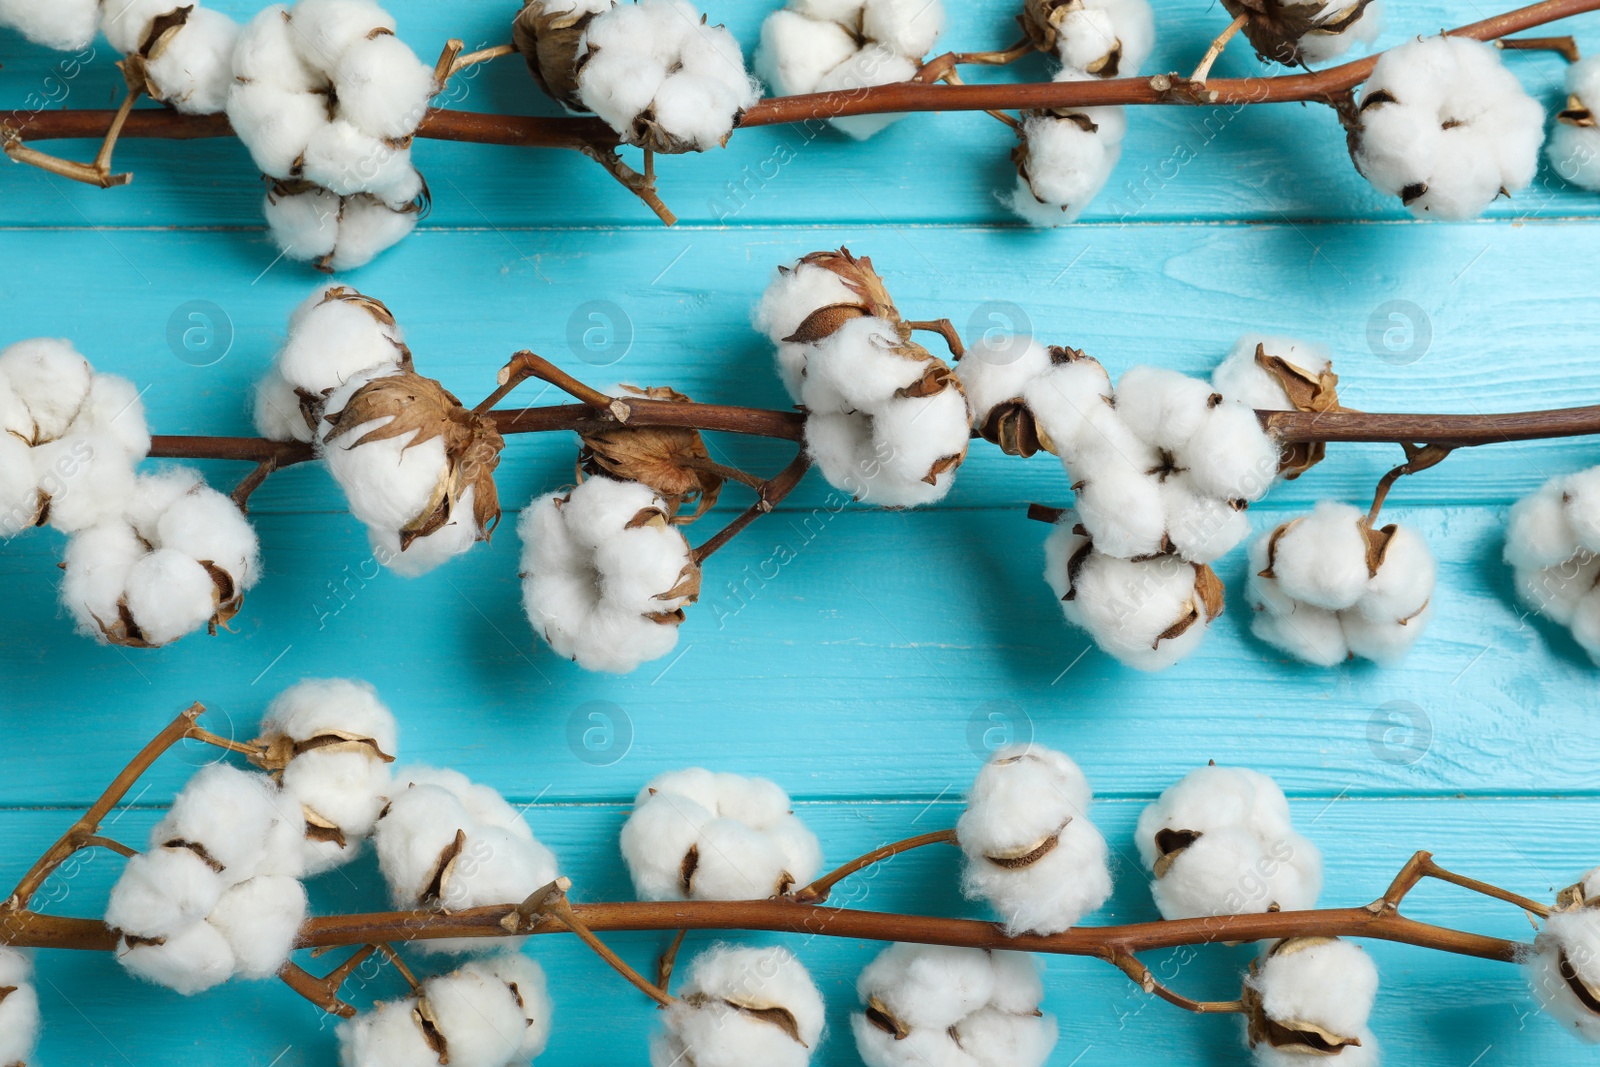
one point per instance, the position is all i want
(592, 137)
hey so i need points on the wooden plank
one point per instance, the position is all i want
(1433, 1010)
(1504, 320)
(1267, 163)
(859, 635)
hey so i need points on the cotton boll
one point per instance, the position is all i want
(88, 478)
(190, 961)
(1230, 455)
(1106, 38)
(389, 482)
(20, 501)
(793, 294)
(66, 26)
(796, 52)
(276, 124)
(477, 1015)
(367, 227)
(906, 27)
(1220, 843)
(1446, 127)
(483, 804)
(387, 1036)
(126, 23)
(51, 379)
(1201, 528)
(1574, 145)
(1240, 378)
(335, 335)
(661, 77)
(928, 986)
(345, 160)
(238, 820)
(267, 51)
(1314, 635)
(169, 595)
(1566, 957)
(1319, 982)
(1320, 47)
(326, 29)
(1404, 582)
(19, 1008)
(1029, 847)
(1162, 407)
(206, 525)
(276, 410)
(162, 892)
(1065, 158)
(112, 409)
(192, 69)
(305, 224)
(694, 835)
(725, 1015)
(260, 920)
(1321, 559)
(382, 87)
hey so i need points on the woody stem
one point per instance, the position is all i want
(944, 328)
(1419, 459)
(1216, 48)
(553, 902)
(85, 829)
(817, 892)
(1421, 866)
(1566, 47)
(525, 365)
(1131, 966)
(771, 494)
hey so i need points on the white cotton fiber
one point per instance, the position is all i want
(191, 70)
(952, 1007)
(1065, 159)
(335, 335)
(662, 77)
(737, 1007)
(1030, 849)
(260, 919)
(65, 25)
(1220, 842)
(1319, 982)
(1574, 145)
(1239, 377)
(1318, 594)
(1564, 968)
(191, 961)
(595, 587)
(1105, 38)
(19, 1008)
(1444, 126)
(696, 835)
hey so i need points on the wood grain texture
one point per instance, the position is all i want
(865, 660)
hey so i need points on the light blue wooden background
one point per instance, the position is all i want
(853, 675)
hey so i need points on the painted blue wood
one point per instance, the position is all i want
(863, 672)
(1261, 164)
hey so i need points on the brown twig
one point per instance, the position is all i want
(587, 134)
(525, 365)
(1421, 866)
(817, 892)
(771, 495)
(669, 960)
(324, 992)
(88, 825)
(1566, 47)
(552, 901)
(1418, 458)
(1216, 48)
(1131, 966)
(944, 328)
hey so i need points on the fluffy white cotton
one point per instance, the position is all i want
(1240, 377)
(335, 335)
(260, 920)
(1553, 547)
(738, 1007)
(1564, 968)
(389, 482)
(811, 48)
(190, 66)
(604, 575)
(1316, 982)
(1147, 613)
(662, 77)
(178, 556)
(1220, 842)
(67, 26)
(887, 421)
(1030, 849)
(1103, 38)
(928, 1004)
(1327, 42)
(195, 959)
(326, 98)
(1065, 159)
(338, 740)
(238, 821)
(492, 1012)
(73, 438)
(444, 842)
(1446, 127)
(19, 1008)
(1325, 587)
(699, 835)
(1574, 145)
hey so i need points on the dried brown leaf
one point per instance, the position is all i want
(548, 40)
(674, 461)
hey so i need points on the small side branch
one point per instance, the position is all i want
(1565, 47)
(1130, 965)
(772, 493)
(324, 992)
(944, 328)
(1421, 866)
(817, 892)
(1418, 458)
(552, 901)
(525, 365)
(97, 173)
(1216, 48)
